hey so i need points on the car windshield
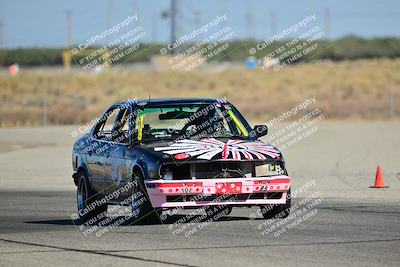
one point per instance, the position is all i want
(184, 121)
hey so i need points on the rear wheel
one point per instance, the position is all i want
(85, 198)
(276, 211)
(142, 210)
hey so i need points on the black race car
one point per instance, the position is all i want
(161, 154)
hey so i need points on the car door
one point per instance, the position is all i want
(101, 137)
(115, 165)
(95, 155)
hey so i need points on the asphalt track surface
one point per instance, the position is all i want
(345, 223)
(36, 230)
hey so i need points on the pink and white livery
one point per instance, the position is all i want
(241, 189)
(209, 148)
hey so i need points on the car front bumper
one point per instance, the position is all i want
(211, 192)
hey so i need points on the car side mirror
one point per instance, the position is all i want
(260, 130)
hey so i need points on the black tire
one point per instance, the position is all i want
(276, 211)
(142, 210)
(85, 196)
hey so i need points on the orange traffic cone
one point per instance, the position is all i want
(379, 183)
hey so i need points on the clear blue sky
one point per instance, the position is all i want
(42, 23)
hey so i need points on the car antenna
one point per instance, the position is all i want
(149, 98)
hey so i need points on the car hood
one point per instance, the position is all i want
(215, 149)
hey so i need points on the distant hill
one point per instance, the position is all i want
(350, 47)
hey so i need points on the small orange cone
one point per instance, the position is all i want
(379, 183)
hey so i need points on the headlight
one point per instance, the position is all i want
(270, 169)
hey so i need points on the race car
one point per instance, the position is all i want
(157, 155)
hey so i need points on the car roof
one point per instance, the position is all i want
(166, 101)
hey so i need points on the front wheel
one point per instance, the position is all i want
(88, 209)
(142, 210)
(276, 211)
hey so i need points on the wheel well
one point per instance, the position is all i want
(80, 170)
(138, 170)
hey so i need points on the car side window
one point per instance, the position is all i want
(120, 130)
(109, 123)
(113, 125)
(104, 127)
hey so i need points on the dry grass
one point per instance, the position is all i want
(345, 90)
